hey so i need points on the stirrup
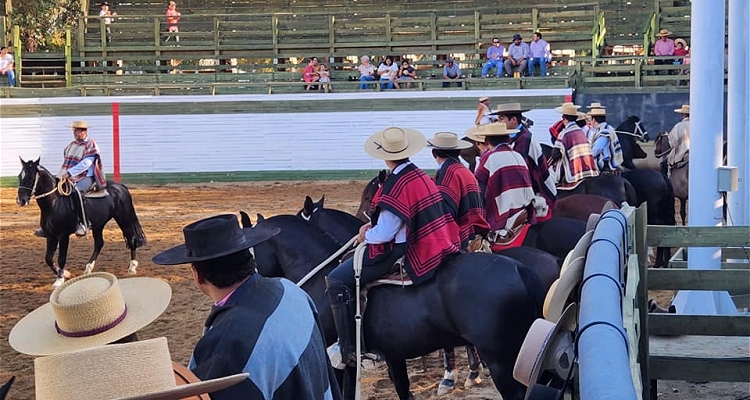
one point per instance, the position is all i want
(81, 230)
(40, 233)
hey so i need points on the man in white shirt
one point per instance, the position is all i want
(107, 15)
(539, 54)
(6, 66)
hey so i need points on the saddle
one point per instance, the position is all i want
(507, 235)
(95, 192)
(398, 276)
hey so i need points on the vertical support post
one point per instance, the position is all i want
(332, 34)
(17, 54)
(68, 59)
(275, 36)
(639, 240)
(388, 37)
(82, 41)
(738, 135)
(706, 103)
(535, 19)
(157, 44)
(433, 29)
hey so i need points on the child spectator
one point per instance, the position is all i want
(407, 73)
(173, 17)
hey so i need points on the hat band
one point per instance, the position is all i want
(94, 331)
(380, 147)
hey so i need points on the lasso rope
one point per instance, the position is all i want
(359, 254)
(333, 256)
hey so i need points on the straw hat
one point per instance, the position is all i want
(568, 109)
(509, 108)
(88, 311)
(559, 293)
(681, 40)
(395, 143)
(448, 141)
(474, 133)
(597, 112)
(663, 32)
(581, 116)
(548, 346)
(495, 130)
(595, 105)
(137, 370)
(214, 237)
(685, 109)
(79, 125)
(483, 99)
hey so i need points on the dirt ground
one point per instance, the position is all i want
(25, 281)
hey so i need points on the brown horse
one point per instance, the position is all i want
(678, 174)
(580, 206)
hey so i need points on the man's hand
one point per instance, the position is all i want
(362, 230)
(64, 175)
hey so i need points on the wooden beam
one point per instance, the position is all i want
(733, 280)
(724, 265)
(698, 236)
(738, 253)
(704, 325)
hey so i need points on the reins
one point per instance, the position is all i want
(60, 187)
(333, 256)
(637, 131)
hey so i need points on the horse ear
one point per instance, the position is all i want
(321, 201)
(382, 175)
(22, 161)
(260, 218)
(245, 220)
(307, 209)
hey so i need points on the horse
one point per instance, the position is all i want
(470, 154)
(6, 387)
(485, 299)
(580, 206)
(629, 133)
(59, 219)
(679, 175)
(368, 194)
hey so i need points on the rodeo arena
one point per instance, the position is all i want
(375, 199)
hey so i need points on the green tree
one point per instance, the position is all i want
(43, 22)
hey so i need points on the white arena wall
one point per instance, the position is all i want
(254, 141)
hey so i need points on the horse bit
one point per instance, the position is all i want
(638, 132)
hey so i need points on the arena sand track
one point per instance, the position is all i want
(25, 281)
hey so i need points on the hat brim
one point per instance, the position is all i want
(507, 132)
(146, 299)
(415, 142)
(662, 34)
(193, 389)
(681, 111)
(560, 110)
(567, 323)
(473, 134)
(462, 144)
(559, 293)
(523, 110)
(180, 255)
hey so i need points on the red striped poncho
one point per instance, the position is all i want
(77, 151)
(506, 185)
(432, 234)
(531, 150)
(461, 193)
(577, 162)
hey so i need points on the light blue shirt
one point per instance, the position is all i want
(601, 149)
(389, 226)
(453, 72)
(519, 52)
(87, 164)
(495, 53)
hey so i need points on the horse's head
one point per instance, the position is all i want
(264, 253)
(28, 181)
(634, 128)
(310, 207)
(368, 195)
(661, 145)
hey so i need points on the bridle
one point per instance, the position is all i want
(59, 187)
(638, 132)
(665, 152)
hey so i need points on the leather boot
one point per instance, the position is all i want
(343, 308)
(81, 229)
(40, 233)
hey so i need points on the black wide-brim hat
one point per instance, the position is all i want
(214, 237)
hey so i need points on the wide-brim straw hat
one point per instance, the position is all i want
(544, 343)
(139, 370)
(88, 311)
(571, 275)
(663, 32)
(448, 141)
(484, 98)
(581, 116)
(681, 40)
(508, 108)
(595, 105)
(597, 112)
(395, 143)
(473, 133)
(568, 109)
(79, 125)
(212, 238)
(685, 109)
(496, 129)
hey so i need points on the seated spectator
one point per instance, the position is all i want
(495, 57)
(366, 72)
(6, 66)
(407, 73)
(451, 72)
(173, 18)
(388, 72)
(324, 76)
(518, 56)
(310, 74)
(539, 54)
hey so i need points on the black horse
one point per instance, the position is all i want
(629, 133)
(485, 299)
(59, 219)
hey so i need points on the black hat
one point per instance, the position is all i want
(516, 36)
(105, 4)
(214, 237)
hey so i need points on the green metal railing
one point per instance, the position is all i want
(649, 34)
(597, 34)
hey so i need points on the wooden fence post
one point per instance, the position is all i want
(68, 59)
(641, 249)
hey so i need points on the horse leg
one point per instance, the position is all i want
(400, 378)
(474, 367)
(683, 211)
(502, 376)
(49, 256)
(662, 257)
(62, 258)
(449, 377)
(98, 244)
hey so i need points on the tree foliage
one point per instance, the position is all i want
(43, 22)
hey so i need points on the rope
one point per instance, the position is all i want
(359, 254)
(317, 269)
(65, 187)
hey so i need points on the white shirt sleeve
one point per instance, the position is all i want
(389, 225)
(81, 166)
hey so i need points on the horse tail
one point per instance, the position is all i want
(534, 288)
(126, 217)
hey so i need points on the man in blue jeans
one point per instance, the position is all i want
(539, 54)
(6, 66)
(494, 58)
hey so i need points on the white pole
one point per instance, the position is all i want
(738, 106)
(706, 136)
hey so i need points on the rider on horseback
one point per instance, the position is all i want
(605, 144)
(571, 155)
(524, 143)
(459, 187)
(679, 138)
(409, 216)
(82, 164)
(505, 182)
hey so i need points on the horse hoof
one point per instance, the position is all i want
(132, 268)
(89, 268)
(448, 383)
(473, 379)
(67, 274)
(58, 283)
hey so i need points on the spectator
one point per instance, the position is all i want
(484, 112)
(107, 15)
(6, 66)
(451, 72)
(366, 72)
(518, 55)
(173, 17)
(539, 54)
(663, 47)
(407, 73)
(310, 74)
(324, 76)
(267, 327)
(388, 72)
(495, 55)
(681, 50)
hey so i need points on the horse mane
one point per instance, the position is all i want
(292, 224)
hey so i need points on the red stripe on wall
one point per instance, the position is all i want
(116, 139)
(568, 98)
